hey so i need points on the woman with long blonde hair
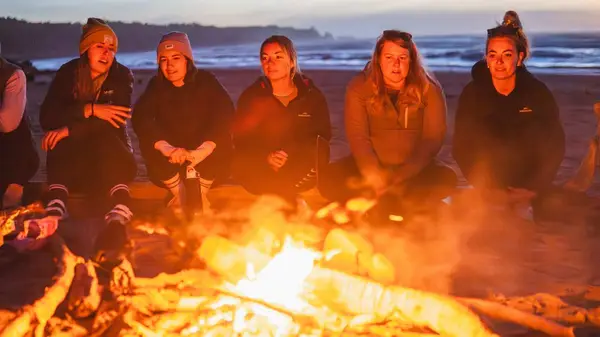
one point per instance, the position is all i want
(395, 115)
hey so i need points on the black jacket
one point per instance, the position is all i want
(263, 124)
(201, 110)
(61, 108)
(512, 141)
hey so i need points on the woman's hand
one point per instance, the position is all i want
(51, 138)
(113, 114)
(277, 159)
(179, 156)
(377, 181)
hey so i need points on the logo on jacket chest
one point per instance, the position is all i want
(106, 96)
(304, 115)
(525, 110)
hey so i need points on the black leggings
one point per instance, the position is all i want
(93, 166)
(257, 177)
(432, 184)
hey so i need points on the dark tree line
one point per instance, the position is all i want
(28, 40)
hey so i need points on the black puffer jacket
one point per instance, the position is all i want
(263, 124)
(510, 141)
(61, 108)
(200, 110)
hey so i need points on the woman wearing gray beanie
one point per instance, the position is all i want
(182, 121)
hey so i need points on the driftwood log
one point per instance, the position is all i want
(442, 314)
(44, 308)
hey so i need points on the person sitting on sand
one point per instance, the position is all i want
(508, 135)
(278, 121)
(395, 116)
(84, 115)
(183, 120)
(18, 157)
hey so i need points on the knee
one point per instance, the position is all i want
(160, 172)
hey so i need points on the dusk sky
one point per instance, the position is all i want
(359, 18)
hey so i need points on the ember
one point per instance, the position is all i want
(274, 282)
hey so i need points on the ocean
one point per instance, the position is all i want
(551, 53)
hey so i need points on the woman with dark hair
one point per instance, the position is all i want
(395, 115)
(278, 121)
(508, 135)
(84, 115)
(182, 120)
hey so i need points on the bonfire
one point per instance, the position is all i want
(309, 275)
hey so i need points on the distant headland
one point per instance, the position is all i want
(22, 40)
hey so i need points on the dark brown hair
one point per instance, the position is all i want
(288, 47)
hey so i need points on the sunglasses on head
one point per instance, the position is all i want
(396, 34)
(502, 31)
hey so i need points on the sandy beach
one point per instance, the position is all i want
(476, 254)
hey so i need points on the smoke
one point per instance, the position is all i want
(475, 246)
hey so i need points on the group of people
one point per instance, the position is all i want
(507, 134)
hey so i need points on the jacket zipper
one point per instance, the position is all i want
(406, 117)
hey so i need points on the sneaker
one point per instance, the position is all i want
(12, 196)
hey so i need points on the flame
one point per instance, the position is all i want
(279, 283)
(291, 289)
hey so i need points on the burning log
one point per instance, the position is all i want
(186, 278)
(504, 313)
(84, 298)
(57, 327)
(351, 253)
(443, 314)
(43, 309)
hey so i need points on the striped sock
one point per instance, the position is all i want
(57, 205)
(310, 176)
(175, 185)
(205, 185)
(119, 213)
(120, 197)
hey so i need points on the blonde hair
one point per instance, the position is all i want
(417, 80)
(511, 28)
(287, 46)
